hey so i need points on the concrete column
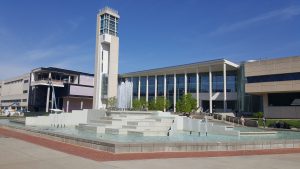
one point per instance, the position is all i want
(185, 83)
(139, 88)
(155, 88)
(165, 88)
(174, 97)
(266, 105)
(197, 87)
(147, 90)
(68, 103)
(81, 104)
(225, 87)
(210, 90)
(69, 80)
(131, 92)
(48, 94)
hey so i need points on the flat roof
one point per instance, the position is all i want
(67, 71)
(178, 68)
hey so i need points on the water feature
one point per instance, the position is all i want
(125, 95)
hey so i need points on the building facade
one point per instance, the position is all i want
(212, 83)
(33, 91)
(277, 81)
(106, 57)
(15, 92)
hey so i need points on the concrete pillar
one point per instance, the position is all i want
(139, 88)
(197, 87)
(68, 103)
(174, 97)
(266, 105)
(147, 90)
(131, 92)
(155, 88)
(165, 88)
(48, 94)
(81, 104)
(225, 87)
(69, 80)
(210, 90)
(185, 83)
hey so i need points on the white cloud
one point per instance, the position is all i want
(281, 14)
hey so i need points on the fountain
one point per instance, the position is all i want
(125, 95)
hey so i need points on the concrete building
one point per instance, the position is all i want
(106, 57)
(204, 80)
(33, 91)
(277, 81)
(15, 92)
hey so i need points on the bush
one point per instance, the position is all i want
(141, 104)
(160, 104)
(258, 115)
(112, 103)
(186, 104)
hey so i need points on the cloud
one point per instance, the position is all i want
(281, 14)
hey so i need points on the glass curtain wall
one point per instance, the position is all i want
(170, 90)
(160, 85)
(135, 83)
(143, 87)
(179, 86)
(192, 84)
(151, 87)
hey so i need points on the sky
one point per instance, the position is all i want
(153, 33)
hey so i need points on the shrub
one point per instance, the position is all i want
(160, 104)
(258, 115)
(186, 104)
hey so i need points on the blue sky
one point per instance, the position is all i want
(153, 33)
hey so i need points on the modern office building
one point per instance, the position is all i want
(106, 57)
(277, 81)
(213, 83)
(33, 91)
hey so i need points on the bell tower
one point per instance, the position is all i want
(106, 57)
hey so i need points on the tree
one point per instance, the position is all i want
(139, 104)
(186, 104)
(136, 104)
(159, 104)
(112, 102)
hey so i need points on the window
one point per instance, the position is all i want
(170, 89)
(24, 100)
(143, 87)
(191, 83)
(25, 91)
(179, 85)
(160, 85)
(282, 99)
(135, 83)
(273, 78)
(151, 87)
(25, 81)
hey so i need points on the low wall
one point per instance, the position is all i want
(116, 147)
(65, 119)
(237, 120)
(291, 112)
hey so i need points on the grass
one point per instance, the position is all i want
(294, 123)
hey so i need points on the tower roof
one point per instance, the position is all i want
(110, 11)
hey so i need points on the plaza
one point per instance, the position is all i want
(20, 154)
(94, 116)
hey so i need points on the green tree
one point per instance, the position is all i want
(139, 104)
(136, 104)
(258, 115)
(186, 104)
(112, 102)
(159, 104)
